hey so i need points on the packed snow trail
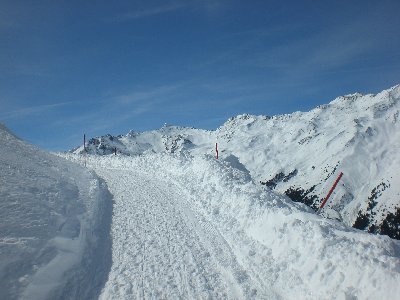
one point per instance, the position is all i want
(198, 228)
(160, 250)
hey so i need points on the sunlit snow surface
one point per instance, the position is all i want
(196, 228)
(356, 134)
(54, 223)
(185, 225)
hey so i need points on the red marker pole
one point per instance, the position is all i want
(330, 192)
(216, 149)
(84, 148)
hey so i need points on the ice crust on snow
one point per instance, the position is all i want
(54, 217)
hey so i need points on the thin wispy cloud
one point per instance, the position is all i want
(149, 12)
(209, 7)
(31, 110)
(90, 123)
(306, 52)
(25, 69)
(343, 45)
(155, 94)
(143, 101)
(115, 110)
(324, 51)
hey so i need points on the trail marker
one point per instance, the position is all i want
(216, 149)
(330, 192)
(84, 148)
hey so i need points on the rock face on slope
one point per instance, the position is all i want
(301, 154)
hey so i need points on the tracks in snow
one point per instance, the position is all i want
(162, 248)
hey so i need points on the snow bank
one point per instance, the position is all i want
(54, 225)
(281, 244)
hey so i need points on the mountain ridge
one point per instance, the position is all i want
(300, 154)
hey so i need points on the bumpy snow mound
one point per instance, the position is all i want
(291, 252)
(54, 223)
(300, 154)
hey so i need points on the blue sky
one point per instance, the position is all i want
(97, 67)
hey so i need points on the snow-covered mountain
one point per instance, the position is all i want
(184, 226)
(302, 153)
(54, 225)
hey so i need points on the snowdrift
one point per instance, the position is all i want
(54, 225)
(291, 252)
(300, 154)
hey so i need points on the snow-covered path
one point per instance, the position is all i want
(163, 249)
(198, 228)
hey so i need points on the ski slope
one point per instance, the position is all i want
(196, 227)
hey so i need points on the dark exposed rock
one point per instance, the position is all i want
(362, 222)
(375, 194)
(297, 194)
(272, 183)
(390, 226)
(290, 175)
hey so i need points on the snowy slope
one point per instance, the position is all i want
(54, 225)
(193, 227)
(301, 154)
(186, 225)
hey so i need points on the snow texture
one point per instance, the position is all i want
(302, 153)
(188, 227)
(54, 229)
(164, 219)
